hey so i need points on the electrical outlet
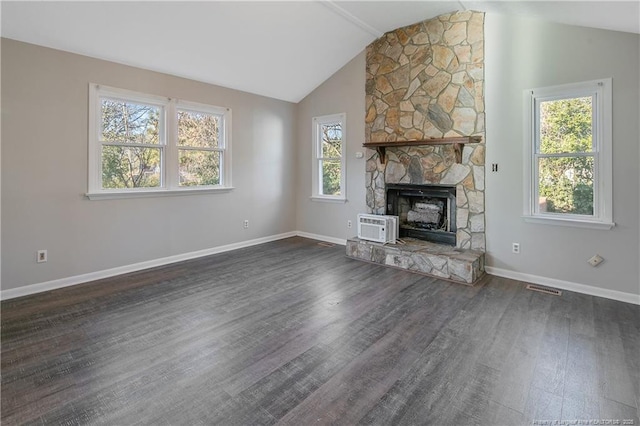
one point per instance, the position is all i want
(595, 260)
(41, 257)
(515, 248)
(349, 224)
(245, 224)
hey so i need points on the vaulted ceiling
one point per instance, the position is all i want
(282, 50)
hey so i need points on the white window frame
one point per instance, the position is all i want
(224, 147)
(601, 93)
(317, 123)
(168, 144)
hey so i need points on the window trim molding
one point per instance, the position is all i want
(225, 160)
(148, 193)
(169, 185)
(327, 199)
(316, 180)
(601, 89)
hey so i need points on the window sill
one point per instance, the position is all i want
(576, 223)
(112, 195)
(327, 199)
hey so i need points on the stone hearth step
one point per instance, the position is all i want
(442, 261)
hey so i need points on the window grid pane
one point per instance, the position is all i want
(566, 125)
(331, 177)
(331, 140)
(131, 167)
(199, 129)
(199, 167)
(129, 122)
(566, 185)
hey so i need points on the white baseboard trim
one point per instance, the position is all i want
(333, 240)
(92, 276)
(565, 285)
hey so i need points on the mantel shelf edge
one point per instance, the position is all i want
(457, 142)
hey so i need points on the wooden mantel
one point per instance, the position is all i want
(457, 142)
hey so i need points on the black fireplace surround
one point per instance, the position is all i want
(426, 212)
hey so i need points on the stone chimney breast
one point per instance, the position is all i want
(425, 81)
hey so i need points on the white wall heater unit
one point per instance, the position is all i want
(379, 228)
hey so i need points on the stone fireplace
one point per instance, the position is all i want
(426, 81)
(425, 105)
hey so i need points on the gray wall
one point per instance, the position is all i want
(44, 165)
(519, 54)
(522, 54)
(343, 92)
(44, 172)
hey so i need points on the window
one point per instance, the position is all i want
(200, 145)
(568, 170)
(144, 145)
(328, 159)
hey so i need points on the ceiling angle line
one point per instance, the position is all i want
(331, 5)
(464, 8)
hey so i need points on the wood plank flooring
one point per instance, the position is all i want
(294, 333)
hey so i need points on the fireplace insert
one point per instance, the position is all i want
(426, 212)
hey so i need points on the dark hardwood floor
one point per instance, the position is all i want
(295, 333)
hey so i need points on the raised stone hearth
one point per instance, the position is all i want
(460, 265)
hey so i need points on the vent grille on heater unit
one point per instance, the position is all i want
(370, 228)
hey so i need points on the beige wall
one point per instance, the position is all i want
(343, 92)
(44, 172)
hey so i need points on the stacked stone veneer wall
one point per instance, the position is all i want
(427, 81)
